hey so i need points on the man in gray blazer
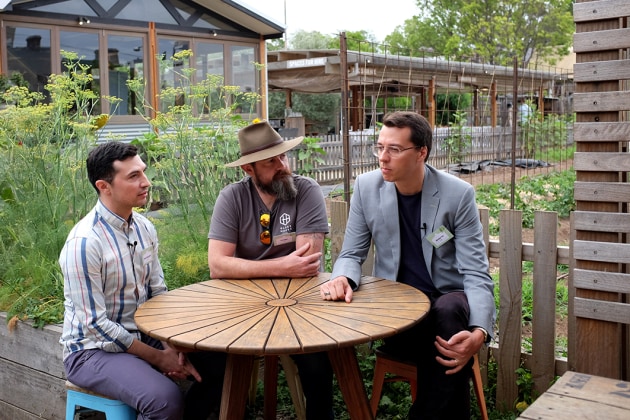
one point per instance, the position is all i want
(425, 227)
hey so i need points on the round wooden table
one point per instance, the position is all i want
(248, 318)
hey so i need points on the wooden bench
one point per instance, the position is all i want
(581, 396)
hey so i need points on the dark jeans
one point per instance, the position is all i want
(439, 396)
(315, 375)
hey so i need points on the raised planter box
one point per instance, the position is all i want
(31, 372)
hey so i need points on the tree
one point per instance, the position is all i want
(310, 40)
(491, 31)
(275, 44)
(362, 41)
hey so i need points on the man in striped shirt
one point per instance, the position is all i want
(110, 266)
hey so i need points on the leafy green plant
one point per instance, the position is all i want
(459, 139)
(548, 192)
(539, 133)
(309, 156)
(44, 190)
(526, 392)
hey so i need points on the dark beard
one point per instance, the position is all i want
(283, 188)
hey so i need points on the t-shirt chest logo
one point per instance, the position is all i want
(285, 223)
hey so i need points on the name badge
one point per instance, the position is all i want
(439, 237)
(285, 238)
(147, 255)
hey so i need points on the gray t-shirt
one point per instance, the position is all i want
(236, 218)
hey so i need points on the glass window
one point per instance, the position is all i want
(85, 45)
(174, 79)
(125, 63)
(244, 76)
(28, 53)
(77, 7)
(146, 11)
(209, 70)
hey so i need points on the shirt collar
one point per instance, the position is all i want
(112, 218)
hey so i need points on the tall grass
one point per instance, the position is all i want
(44, 189)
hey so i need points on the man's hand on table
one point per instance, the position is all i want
(300, 263)
(336, 289)
(458, 349)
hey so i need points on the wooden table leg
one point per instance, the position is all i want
(238, 374)
(271, 387)
(346, 367)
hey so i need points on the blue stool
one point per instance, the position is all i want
(79, 400)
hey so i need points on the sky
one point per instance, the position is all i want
(330, 17)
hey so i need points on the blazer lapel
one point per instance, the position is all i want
(430, 205)
(388, 209)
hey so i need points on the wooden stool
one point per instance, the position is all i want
(80, 400)
(407, 371)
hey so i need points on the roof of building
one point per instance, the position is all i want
(319, 71)
(242, 15)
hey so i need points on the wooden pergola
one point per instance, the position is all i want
(376, 75)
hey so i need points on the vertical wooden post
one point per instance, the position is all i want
(510, 306)
(544, 298)
(494, 109)
(431, 105)
(347, 155)
(596, 346)
(154, 89)
(264, 89)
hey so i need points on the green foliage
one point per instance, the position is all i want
(44, 191)
(185, 154)
(540, 133)
(318, 109)
(459, 139)
(310, 40)
(549, 192)
(526, 392)
(490, 31)
(183, 254)
(309, 155)
(450, 107)
(16, 79)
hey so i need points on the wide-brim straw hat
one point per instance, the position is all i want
(260, 141)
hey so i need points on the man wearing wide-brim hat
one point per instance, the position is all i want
(272, 224)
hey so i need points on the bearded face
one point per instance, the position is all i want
(281, 185)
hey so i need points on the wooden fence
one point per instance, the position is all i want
(506, 347)
(486, 143)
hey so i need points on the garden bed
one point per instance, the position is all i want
(31, 371)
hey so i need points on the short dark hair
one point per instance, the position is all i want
(421, 132)
(100, 160)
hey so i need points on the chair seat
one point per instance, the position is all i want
(79, 400)
(405, 370)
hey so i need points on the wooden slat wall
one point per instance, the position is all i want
(598, 312)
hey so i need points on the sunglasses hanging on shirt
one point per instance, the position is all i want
(265, 222)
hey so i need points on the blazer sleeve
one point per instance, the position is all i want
(357, 239)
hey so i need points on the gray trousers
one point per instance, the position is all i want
(129, 379)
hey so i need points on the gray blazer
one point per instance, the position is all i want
(460, 264)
